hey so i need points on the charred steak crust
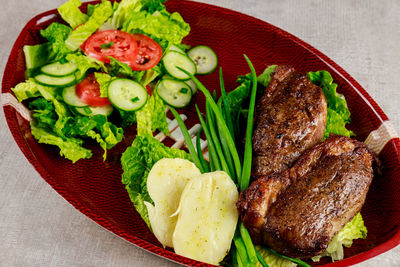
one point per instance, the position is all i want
(298, 211)
(290, 118)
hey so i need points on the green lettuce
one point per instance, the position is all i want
(152, 6)
(36, 55)
(96, 127)
(25, 90)
(159, 25)
(70, 12)
(264, 78)
(150, 74)
(240, 94)
(273, 260)
(84, 63)
(338, 112)
(352, 230)
(152, 116)
(43, 113)
(127, 118)
(238, 98)
(117, 68)
(56, 34)
(79, 35)
(30, 88)
(125, 8)
(104, 80)
(55, 118)
(137, 161)
(70, 148)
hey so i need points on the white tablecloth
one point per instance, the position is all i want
(39, 228)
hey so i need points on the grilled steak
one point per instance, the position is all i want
(298, 211)
(290, 118)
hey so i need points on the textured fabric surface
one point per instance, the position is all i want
(39, 228)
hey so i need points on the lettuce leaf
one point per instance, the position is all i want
(70, 12)
(240, 95)
(123, 11)
(152, 116)
(150, 74)
(127, 118)
(84, 63)
(79, 35)
(152, 6)
(117, 68)
(264, 78)
(56, 34)
(36, 55)
(159, 25)
(55, 118)
(30, 88)
(137, 161)
(352, 230)
(70, 148)
(104, 80)
(26, 90)
(96, 127)
(272, 260)
(338, 112)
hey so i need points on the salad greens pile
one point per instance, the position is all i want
(57, 123)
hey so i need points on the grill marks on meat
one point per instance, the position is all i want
(298, 211)
(291, 117)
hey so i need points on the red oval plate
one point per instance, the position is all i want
(95, 188)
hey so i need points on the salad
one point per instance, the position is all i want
(107, 69)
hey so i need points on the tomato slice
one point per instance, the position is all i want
(148, 55)
(117, 44)
(88, 91)
(148, 89)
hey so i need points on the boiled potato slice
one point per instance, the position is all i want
(207, 218)
(165, 184)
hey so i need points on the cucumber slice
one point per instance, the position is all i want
(91, 111)
(174, 59)
(176, 49)
(192, 86)
(175, 93)
(51, 81)
(205, 59)
(70, 97)
(57, 69)
(127, 95)
(189, 82)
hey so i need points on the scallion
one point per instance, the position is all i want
(188, 139)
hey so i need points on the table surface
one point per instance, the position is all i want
(39, 228)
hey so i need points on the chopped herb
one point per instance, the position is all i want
(135, 99)
(107, 45)
(183, 90)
